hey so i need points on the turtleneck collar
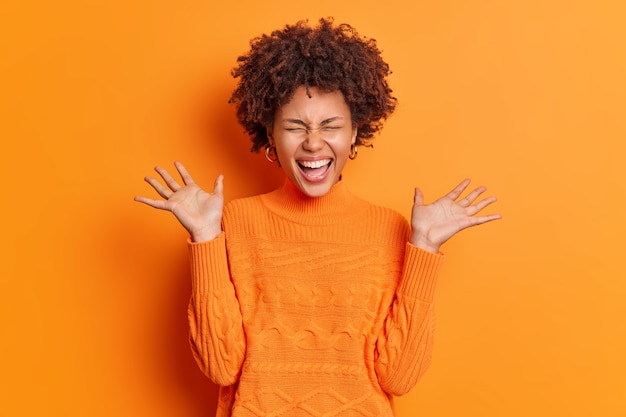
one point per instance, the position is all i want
(291, 203)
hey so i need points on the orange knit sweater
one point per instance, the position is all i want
(311, 306)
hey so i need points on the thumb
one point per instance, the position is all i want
(418, 200)
(218, 187)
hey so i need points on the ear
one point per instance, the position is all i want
(270, 138)
(354, 133)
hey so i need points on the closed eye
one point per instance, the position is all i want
(303, 129)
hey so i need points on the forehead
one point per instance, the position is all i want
(314, 104)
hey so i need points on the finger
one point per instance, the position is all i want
(171, 182)
(471, 197)
(484, 219)
(218, 187)
(184, 174)
(418, 199)
(481, 205)
(160, 188)
(158, 204)
(456, 192)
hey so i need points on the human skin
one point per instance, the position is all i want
(315, 130)
(313, 134)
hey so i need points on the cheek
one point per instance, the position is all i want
(285, 147)
(342, 147)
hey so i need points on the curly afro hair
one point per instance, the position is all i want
(327, 57)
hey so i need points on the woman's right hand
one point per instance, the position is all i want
(198, 211)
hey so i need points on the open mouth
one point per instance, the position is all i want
(315, 170)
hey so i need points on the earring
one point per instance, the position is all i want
(270, 153)
(354, 151)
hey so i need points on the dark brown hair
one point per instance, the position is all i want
(327, 57)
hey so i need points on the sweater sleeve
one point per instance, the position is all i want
(216, 328)
(405, 343)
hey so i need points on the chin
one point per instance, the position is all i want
(315, 190)
(317, 193)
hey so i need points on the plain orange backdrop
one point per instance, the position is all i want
(526, 97)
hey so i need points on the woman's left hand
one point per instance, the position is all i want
(433, 224)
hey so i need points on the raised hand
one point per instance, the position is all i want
(433, 224)
(198, 211)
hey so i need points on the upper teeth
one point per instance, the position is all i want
(314, 164)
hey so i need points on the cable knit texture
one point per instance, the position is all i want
(311, 306)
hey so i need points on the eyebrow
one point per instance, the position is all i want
(322, 123)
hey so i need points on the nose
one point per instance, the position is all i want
(314, 140)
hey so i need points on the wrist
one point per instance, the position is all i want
(420, 241)
(205, 234)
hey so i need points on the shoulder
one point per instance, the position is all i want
(239, 209)
(245, 215)
(243, 204)
(385, 224)
(385, 214)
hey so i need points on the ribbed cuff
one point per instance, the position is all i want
(208, 264)
(421, 272)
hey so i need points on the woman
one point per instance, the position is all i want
(308, 300)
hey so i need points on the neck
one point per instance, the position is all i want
(335, 206)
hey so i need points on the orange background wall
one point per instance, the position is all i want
(527, 97)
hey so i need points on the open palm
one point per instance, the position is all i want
(198, 211)
(433, 224)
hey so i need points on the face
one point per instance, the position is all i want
(312, 136)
